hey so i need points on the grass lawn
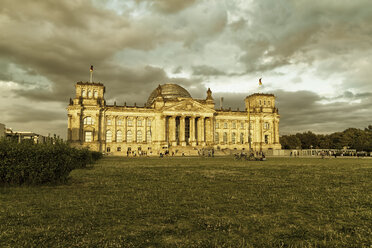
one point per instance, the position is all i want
(196, 202)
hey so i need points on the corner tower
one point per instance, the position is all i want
(263, 121)
(84, 114)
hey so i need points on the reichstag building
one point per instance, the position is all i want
(170, 121)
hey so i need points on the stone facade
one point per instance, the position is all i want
(171, 120)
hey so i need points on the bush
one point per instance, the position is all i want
(28, 163)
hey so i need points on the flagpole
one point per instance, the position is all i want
(91, 74)
(259, 85)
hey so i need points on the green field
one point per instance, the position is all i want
(196, 202)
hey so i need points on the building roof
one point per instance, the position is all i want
(260, 94)
(88, 83)
(168, 92)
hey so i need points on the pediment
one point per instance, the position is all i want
(188, 106)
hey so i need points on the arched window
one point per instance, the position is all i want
(89, 94)
(129, 136)
(88, 120)
(83, 93)
(95, 94)
(108, 136)
(216, 138)
(119, 136)
(139, 136)
(233, 138)
(241, 138)
(149, 136)
(225, 137)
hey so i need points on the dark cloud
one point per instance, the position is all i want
(22, 114)
(177, 70)
(301, 31)
(47, 46)
(204, 70)
(169, 6)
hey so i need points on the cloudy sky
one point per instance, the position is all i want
(316, 56)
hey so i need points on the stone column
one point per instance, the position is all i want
(135, 130)
(261, 121)
(229, 132)
(199, 123)
(182, 131)
(115, 129)
(211, 131)
(144, 136)
(79, 134)
(125, 129)
(192, 131)
(202, 130)
(69, 130)
(276, 131)
(172, 131)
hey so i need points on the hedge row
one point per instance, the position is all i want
(29, 163)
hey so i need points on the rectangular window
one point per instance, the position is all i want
(120, 122)
(108, 149)
(118, 149)
(225, 125)
(130, 122)
(108, 122)
(139, 123)
(88, 136)
(266, 139)
(216, 138)
(139, 136)
(266, 125)
(217, 124)
(241, 125)
(234, 124)
(148, 122)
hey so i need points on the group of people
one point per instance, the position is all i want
(258, 156)
(139, 153)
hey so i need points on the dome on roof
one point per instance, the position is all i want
(168, 91)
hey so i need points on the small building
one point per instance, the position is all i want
(21, 136)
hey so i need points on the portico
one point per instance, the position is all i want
(188, 130)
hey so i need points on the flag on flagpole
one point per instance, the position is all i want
(259, 81)
(91, 68)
